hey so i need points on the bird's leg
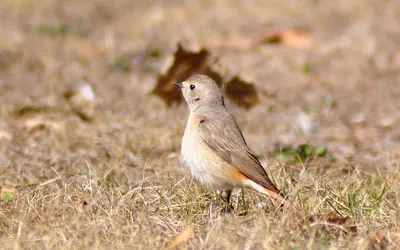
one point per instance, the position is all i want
(226, 196)
(244, 205)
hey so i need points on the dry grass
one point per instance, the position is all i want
(117, 181)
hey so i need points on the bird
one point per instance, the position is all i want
(213, 146)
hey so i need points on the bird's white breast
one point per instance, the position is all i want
(203, 163)
(192, 155)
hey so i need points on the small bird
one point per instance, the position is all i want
(213, 147)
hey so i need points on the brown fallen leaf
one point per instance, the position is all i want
(185, 64)
(183, 236)
(188, 63)
(288, 36)
(241, 92)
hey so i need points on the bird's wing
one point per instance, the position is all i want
(230, 145)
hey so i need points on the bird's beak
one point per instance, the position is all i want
(178, 84)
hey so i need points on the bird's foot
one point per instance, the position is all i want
(228, 209)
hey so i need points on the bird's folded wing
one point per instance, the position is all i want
(230, 145)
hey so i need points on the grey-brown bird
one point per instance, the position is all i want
(213, 147)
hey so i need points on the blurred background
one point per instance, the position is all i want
(326, 73)
(77, 106)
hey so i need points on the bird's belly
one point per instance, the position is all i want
(205, 166)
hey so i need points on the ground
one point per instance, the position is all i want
(115, 179)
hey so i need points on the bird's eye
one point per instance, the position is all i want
(192, 87)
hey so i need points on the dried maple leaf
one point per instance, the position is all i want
(241, 92)
(185, 65)
(289, 36)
